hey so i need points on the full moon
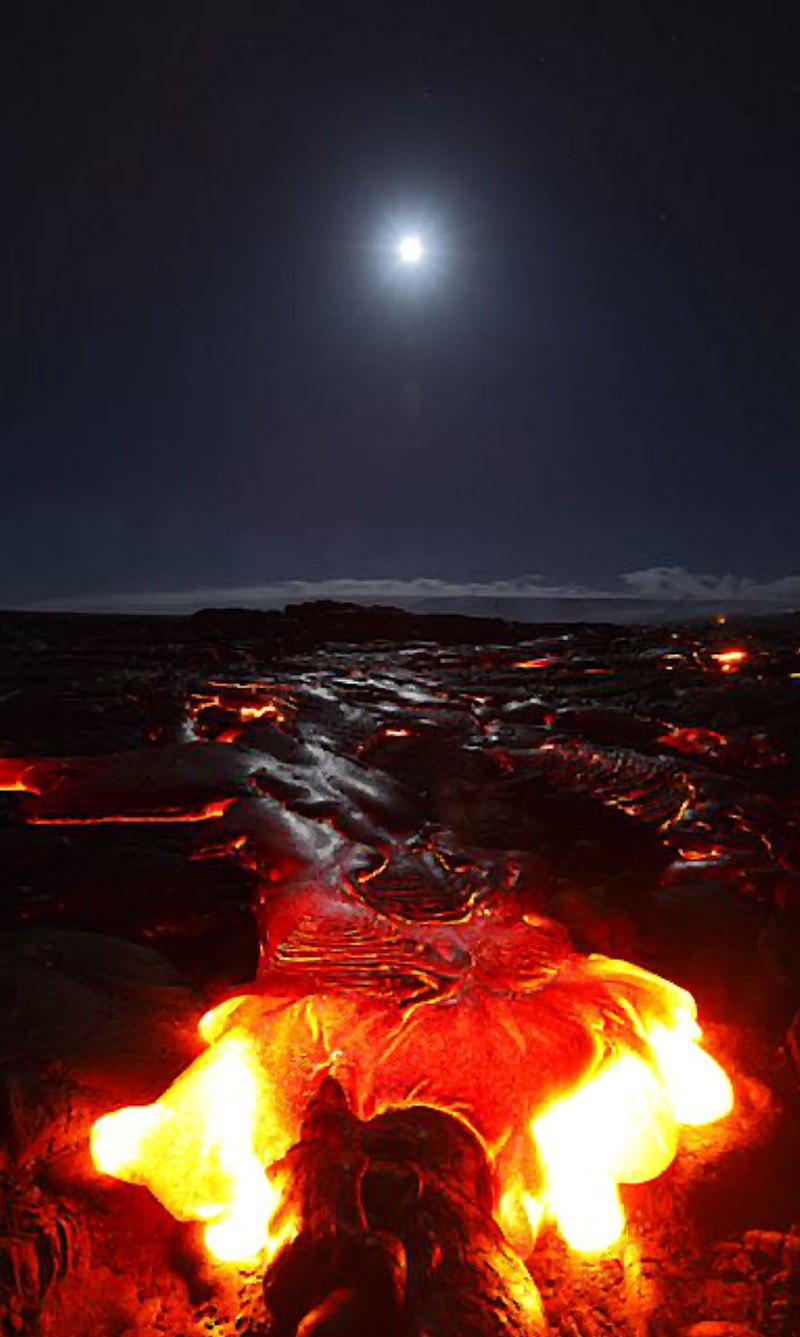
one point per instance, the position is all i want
(410, 250)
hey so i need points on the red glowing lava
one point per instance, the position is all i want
(546, 661)
(575, 1073)
(730, 661)
(207, 813)
(17, 773)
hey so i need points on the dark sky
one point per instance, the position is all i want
(213, 372)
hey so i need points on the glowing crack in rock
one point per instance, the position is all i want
(574, 1072)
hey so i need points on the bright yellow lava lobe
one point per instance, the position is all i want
(700, 1090)
(212, 1024)
(205, 1167)
(621, 1126)
(615, 1129)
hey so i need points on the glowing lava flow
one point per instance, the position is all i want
(574, 1087)
(620, 1127)
(171, 816)
(18, 774)
(545, 662)
(211, 1168)
(730, 661)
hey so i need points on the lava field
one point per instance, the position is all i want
(435, 818)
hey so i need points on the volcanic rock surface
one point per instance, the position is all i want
(168, 781)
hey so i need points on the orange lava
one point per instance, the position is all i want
(246, 701)
(258, 712)
(573, 1088)
(693, 741)
(730, 660)
(16, 774)
(536, 663)
(204, 814)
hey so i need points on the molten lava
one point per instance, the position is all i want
(730, 661)
(20, 774)
(170, 816)
(574, 1084)
(544, 662)
(210, 1169)
(620, 1127)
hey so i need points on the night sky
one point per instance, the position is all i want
(216, 373)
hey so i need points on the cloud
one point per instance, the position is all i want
(661, 585)
(675, 582)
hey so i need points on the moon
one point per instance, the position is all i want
(410, 250)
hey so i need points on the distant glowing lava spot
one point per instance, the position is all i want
(730, 661)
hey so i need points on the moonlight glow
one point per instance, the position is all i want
(410, 250)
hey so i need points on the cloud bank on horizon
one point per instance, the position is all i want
(660, 585)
